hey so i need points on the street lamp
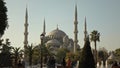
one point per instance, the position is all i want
(42, 38)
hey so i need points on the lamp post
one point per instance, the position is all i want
(42, 38)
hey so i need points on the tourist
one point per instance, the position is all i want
(119, 63)
(68, 64)
(77, 64)
(51, 62)
(48, 62)
(63, 63)
(73, 64)
(19, 64)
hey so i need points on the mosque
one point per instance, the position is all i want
(57, 38)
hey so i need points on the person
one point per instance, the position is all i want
(68, 64)
(119, 64)
(73, 63)
(48, 62)
(77, 64)
(23, 64)
(51, 62)
(19, 64)
(63, 63)
(115, 65)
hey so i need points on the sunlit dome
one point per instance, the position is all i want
(56, 34)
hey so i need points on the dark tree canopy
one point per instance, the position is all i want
(3, 17)
(117, 54)
(87, 59)
(5, 54)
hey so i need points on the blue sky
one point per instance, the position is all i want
(102, 15)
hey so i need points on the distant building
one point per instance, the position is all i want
(58, 39)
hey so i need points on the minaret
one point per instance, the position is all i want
(75, 30)
(26, 30)
(85, 30)
(57, 27)
(44, 27)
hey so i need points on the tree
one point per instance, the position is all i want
(3, 17)
(61, 53)
(45, 52)
(86, 59)
(5, 54)
(36, 55)
(103, 55)
(30, 52)
(16, 54)
(6, 48)
(117, 54)
(95, 36)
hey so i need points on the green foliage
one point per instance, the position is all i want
(95, 36)
(103, 55)
(61, 53)
(6, 48)
(30, 52)
(86, 59)
(3, 17)
(73, 56)
(110, 61)
(77, 55)
(45, 50)
(16, 54)
(45, 53)
(36, 55)
(117, 54)
(5, 53)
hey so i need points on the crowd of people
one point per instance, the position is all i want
(69, 63)
(66, 63)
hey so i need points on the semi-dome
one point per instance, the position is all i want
(56, 34)
(53, 42)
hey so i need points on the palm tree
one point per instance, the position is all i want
(95, 36)
(16, 53)
(36, 55)
(30, 52)
(5, 53)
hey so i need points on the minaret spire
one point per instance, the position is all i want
(85, 29)
(75, 30)
(57, 27)
(26, 29)
(76, 12)
(44, 26)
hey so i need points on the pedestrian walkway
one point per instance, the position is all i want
(36, 66)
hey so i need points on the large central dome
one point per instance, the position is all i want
(56, 33)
